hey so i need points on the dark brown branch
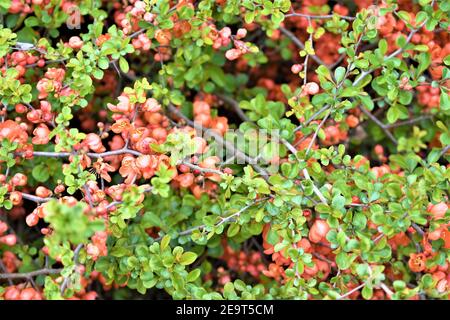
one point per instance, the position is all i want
(233, 103)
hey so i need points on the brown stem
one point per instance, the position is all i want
(35, 198)
(233, 103)
(75, 260)
(408, 122)
(204, 170)
(319, 17)
(26, 275)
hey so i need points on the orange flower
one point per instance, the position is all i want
(163, 37)
(318, 231)
(201, 107)
(446, 237)
(437, 210)
(94, 142)
(147, 164)
(185, 179)
(56, 74)
(13, 132)
(417, 262)
(102, 39)
(129, 170)
(103, 168)
(151, 105)
(274, 271)
(124, 105)
(41, 134)
(121, 125)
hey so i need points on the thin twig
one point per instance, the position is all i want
(319, 17)
(301, 45)
(66, 280)
(88, 196)
(204, 170)
(35, 198)
(386, 289)
(317, 132)
(5, 271)
(407, 122)
(26, 275)
(444, 151)
(233, 103)
(418, 229)
(313, 117)
(351, 291)
(89, 154)
(222, 221)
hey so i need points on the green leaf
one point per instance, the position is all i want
(393, 114)
(40, 173)
(404, 15)
(433, 156)
(120, 252)
(217, 75)
(98, 74)
(150, 219)
(193, 275)
(249, 16)
(350, 92)
(165, 242)
(367, 292)
(383, 46)
(338, 202)
(359, 220)
(424, 62)
(323, 71)
(444, 101)
(233, 230)
(7, 204)
(187, 258)
(123, 64)
(103, 63)
(421, 47)
(339, 74)
(343, 261)
(447, 60)
(367, 102)
(445, 138)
